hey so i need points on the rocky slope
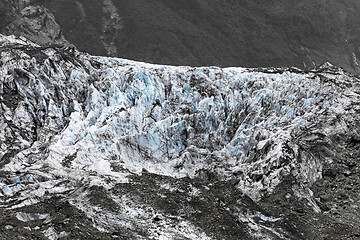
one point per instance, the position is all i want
(244, 33)
(33, 21)
(107, 148)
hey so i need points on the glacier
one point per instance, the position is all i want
(69, 120)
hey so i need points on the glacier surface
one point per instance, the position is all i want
(70, 117)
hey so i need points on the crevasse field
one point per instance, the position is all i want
(71, 121)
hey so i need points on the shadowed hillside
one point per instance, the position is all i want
(217, 32)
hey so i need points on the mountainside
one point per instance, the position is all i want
(107, 148)
(244, 33)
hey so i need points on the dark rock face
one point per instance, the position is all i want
(223, 33)
(35, 22)
(5, 14)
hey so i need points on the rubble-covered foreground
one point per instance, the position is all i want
(106, 148)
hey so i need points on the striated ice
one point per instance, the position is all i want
(25, 217)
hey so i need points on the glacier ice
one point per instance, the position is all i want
(179, 121)
(71, 123)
